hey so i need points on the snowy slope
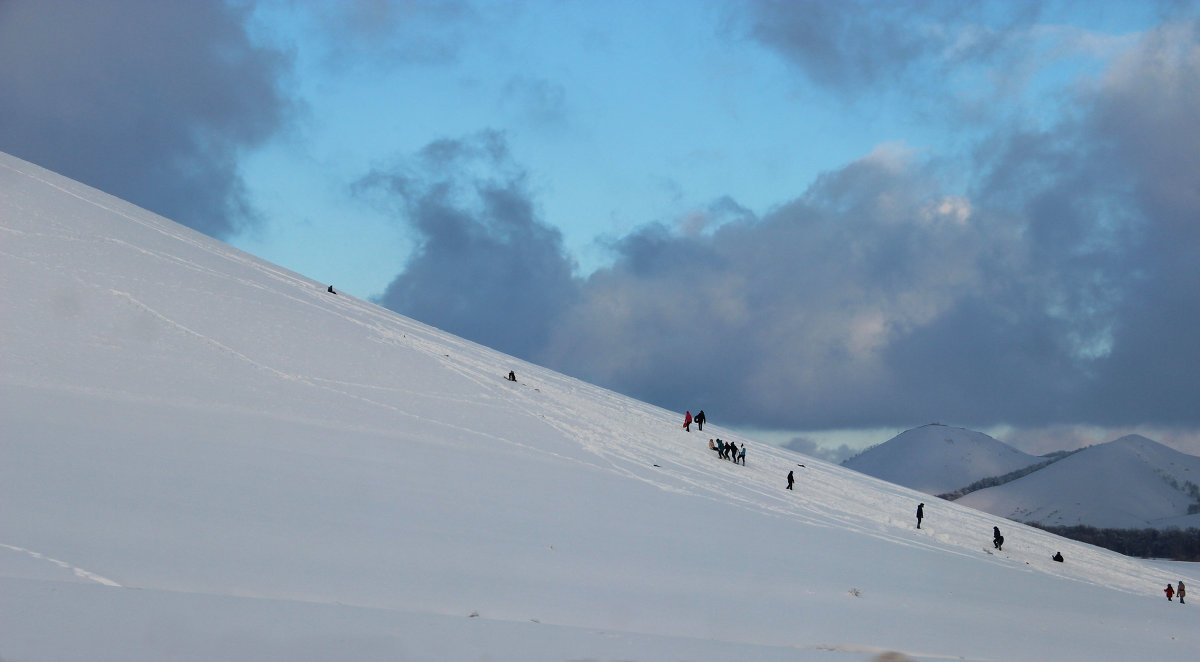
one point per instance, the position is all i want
(205, 456)
(1130, 483)
(936, 459)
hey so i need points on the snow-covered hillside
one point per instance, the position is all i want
(936, 459)
(208, 457)
(1130, 483)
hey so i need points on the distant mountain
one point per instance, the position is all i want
(1130, 483)
(937, 458)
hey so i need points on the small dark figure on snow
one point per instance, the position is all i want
(687, 421)
(1170, 591)
(790, 480)
(512, 376)
(1181, 591)
(330, 290)
(997, 539)
(1057, 557)
(920, 514)
(742, 455)
(700, 420)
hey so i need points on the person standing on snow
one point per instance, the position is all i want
(997, 539)
(920, 514)
(1181, 592)
(687, 421)
(791, 480)
(700, 420)
(742, 455)
(1170, 591)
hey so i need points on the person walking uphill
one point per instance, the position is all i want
(687, 421)
(997, 539)
(1170, 591)
(920, 514)
(700, 420)
(790, 480)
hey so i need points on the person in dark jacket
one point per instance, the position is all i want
(700, 420)
(997, 539)
(1057, 557)
(920, 514)
(790, 480)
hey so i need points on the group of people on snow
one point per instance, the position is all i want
(728, 451)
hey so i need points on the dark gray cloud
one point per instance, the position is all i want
(1058, 287)
(149, 101)
(485, 268)
(852, 45)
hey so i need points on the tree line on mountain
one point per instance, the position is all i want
(1009, 477)
(1174, 544)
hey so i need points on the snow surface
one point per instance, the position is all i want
(1130, 483)
(208, 457)
(937, 459)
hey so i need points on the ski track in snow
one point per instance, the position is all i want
(79, 572)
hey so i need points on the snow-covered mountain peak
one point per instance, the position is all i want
(938, 458)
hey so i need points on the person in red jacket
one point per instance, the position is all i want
(1170, 591)
(687, 421)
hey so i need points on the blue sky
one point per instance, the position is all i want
(828, 220)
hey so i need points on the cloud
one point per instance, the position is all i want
(1060, 288)
(1056, 287)
(149, 101)
(486, 267)
(389, 32)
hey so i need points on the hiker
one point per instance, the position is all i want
(512, 376)
(330, 290)
(712, 446)
(997, 539)
(742, 455)
(700, 420)
(790, 480)
(920, 514)
(687, 421)
(1057, 557)
(1181, 592)
(1170, 591)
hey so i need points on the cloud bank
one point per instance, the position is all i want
(149, 101)
(1057, 287)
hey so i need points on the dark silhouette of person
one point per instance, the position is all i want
(700, 420)
(920, 514)
(512, 376)
(791, 480)
(997, 539)
(330, 290)
(687, 421)
(1057, 557)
